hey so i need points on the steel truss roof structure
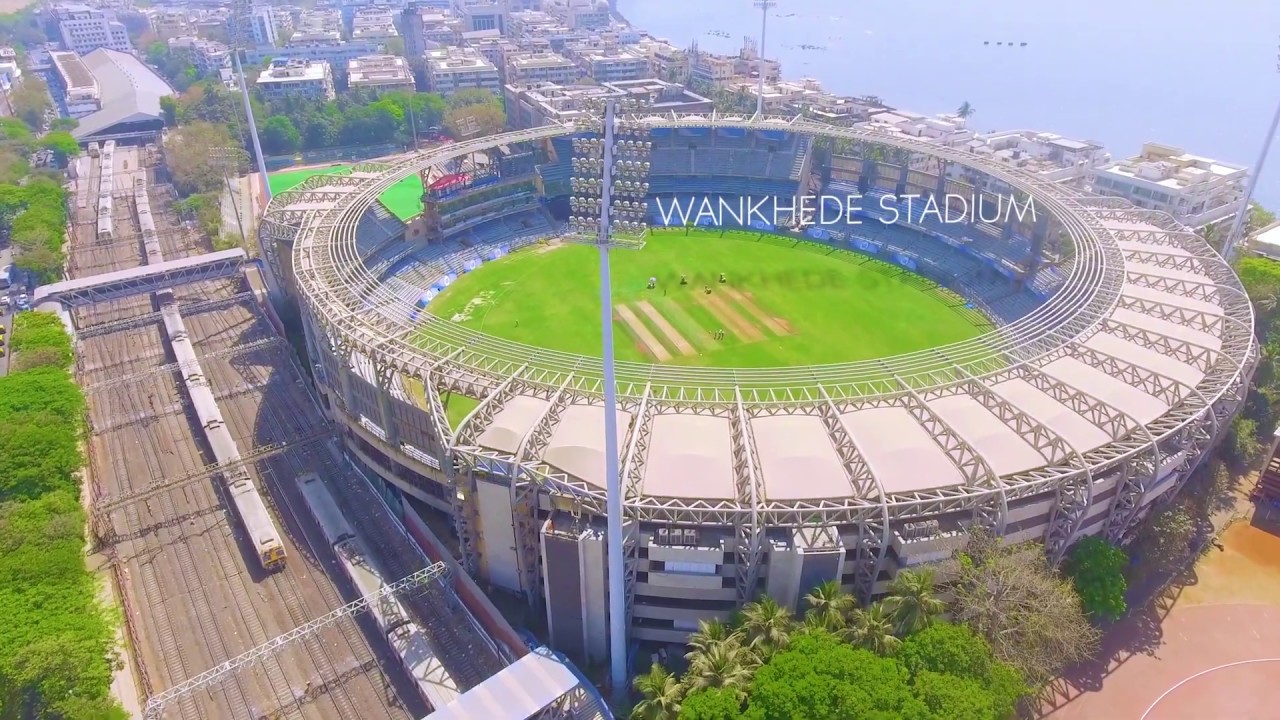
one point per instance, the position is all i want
(1147, 303)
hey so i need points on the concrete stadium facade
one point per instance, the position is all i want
(1071, 420)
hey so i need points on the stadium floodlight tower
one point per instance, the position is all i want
(607, 201)
(1233, 237)
(240, 33)
(765, 6)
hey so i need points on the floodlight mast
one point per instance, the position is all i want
(765, 6)
(613, 479)
(1233, 237)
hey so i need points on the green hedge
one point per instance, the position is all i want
(40, 339)
(57, 642)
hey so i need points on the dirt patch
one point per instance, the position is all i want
(730, 317)
(673, 336)
(651, 343)
(777, 326)
(1247, 569)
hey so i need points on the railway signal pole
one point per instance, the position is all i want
(1237, 227)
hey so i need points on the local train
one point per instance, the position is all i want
(405, 637)
(257, 523)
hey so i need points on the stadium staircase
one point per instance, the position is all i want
(800, 164)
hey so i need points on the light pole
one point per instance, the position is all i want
(765, 6)
(1237, 227)
(608, 206)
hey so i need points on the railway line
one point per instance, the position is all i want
(192, 593)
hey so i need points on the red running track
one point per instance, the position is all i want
(1204, 661)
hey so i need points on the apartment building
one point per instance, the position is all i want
(547, 103)
(480, 15)
(373, 24)
(377, 73)
(169, 24)
(667, 61)
(540, 68)
(719, 71)
(296, 77)
(452, 69)
(84, 29)
(1196, 190)
(265, 25)
(1051, 156)
(580, 14)
(609, 62)
(206, 55)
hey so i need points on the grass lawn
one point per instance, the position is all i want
(404, 199)
(785, 302)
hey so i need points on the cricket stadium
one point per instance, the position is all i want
(797, 402)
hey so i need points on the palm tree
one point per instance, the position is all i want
(708, 635)
(911, 601)
(873, 629)
(725, 664)
(766, 626)
(829, 606)
(965, 111)
(662, 694)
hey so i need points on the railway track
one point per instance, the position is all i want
(280, 418)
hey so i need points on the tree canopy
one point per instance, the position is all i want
(57, 642)
(34, 217)
(1096, 568)
(836, 663)
(1018, 603)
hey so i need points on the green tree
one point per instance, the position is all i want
(15, 134)
(1164, 539)
(1013, 599)
(661, 693)
(829, 606)
(912, 601)
(56, 642)
(766, 627)
(711, 704)
(62, 144)
(37, 331)
(818, 677)
(1243, 446)
(965, 111)
(466, 119)
(954, 698)
(279, 136)
(873, 629)
(13, 167)
(1096, 568)
(44, 263)
(956, 651)
(709, 634)
(63, 124)
(726, 665)
(190, 152)
(30, 101)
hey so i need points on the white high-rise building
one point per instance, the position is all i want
(264, 26)
(84, 29)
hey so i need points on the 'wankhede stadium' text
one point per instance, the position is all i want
(746, 210)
